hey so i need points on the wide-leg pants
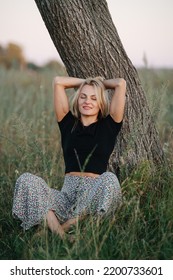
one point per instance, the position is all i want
(33, 198)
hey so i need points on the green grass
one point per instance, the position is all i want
(29, 141)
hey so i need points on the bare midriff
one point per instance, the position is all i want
(83, 174)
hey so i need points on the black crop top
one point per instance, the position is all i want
(87, 148)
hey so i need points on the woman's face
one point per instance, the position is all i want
(87, 101)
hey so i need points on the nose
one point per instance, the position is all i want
(87, 100)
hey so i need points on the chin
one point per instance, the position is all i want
(87, 112)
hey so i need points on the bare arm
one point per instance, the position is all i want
(61, 103)
(118, 99)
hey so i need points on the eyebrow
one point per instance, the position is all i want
(86, 94)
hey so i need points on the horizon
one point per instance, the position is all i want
(144, 28)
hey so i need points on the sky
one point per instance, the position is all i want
(144, 27)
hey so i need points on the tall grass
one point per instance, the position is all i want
(142, 228)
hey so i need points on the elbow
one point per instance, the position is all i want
(119, 82)
(122, 82)
(56, 80)
(59, 82)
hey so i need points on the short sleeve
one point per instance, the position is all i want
(114, 126)
(67, 122)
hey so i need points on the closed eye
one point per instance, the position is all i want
(93, 98)
(83, 96)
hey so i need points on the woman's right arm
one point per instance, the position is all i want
(61, 103)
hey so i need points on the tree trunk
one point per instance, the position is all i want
(89, 45)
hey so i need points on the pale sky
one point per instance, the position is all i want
(144, 26)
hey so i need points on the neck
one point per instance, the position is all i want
(87, 120)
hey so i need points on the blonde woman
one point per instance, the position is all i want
(88, 135)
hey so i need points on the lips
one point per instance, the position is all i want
(86, 107)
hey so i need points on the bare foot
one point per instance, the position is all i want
(71, 238)
(54, 224)
(67, 225)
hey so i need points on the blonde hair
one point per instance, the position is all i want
(101, 95)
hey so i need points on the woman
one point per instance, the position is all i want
(88, 134)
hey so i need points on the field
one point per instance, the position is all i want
(29, 141)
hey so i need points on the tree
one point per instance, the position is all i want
(89, 45)
(12, 56)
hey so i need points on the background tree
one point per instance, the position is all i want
(89, 45)
(12, 56)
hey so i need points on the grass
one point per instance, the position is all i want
(142, 228)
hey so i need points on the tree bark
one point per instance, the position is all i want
(89, 45)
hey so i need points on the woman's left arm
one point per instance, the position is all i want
(118, 99)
